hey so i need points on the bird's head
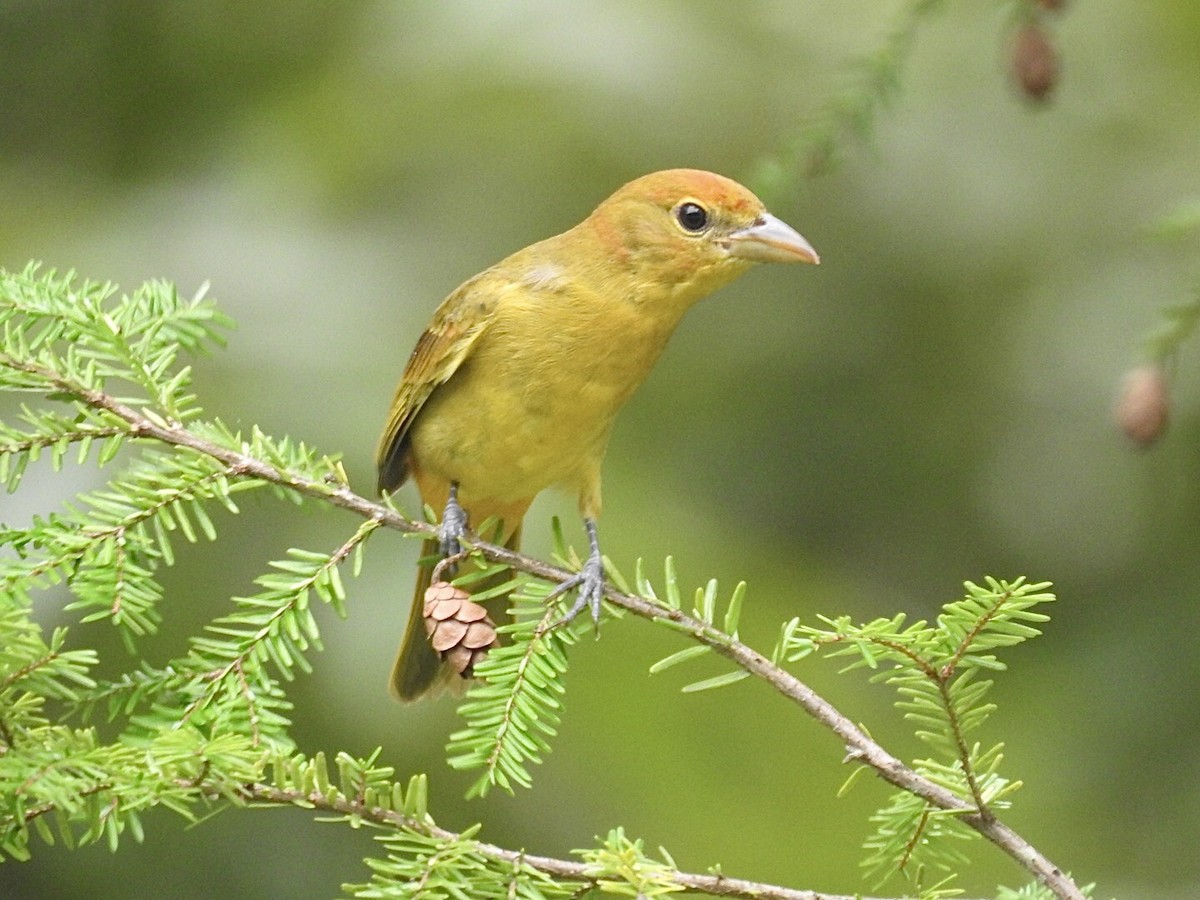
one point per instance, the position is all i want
(690, 232)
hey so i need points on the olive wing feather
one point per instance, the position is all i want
(441, 349)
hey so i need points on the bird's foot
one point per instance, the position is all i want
(453, 527)
(589, 581)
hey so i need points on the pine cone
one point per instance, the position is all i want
(1035, 63)
(459, 629)
(1143, 407)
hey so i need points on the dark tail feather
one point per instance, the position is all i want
(416, 666)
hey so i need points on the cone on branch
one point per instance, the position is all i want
(1034, 61)
(459, 629)
(1143, 405)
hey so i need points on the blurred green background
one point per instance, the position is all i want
(931, 405)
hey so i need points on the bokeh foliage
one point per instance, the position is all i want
(931, 405)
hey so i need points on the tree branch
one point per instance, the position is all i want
(715, 885)
(859, 747)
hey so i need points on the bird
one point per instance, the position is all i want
(515, 384)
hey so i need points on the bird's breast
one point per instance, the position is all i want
(534, 403)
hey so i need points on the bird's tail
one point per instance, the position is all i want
(418, 669)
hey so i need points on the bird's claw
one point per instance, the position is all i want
(590, 582)
(453, 526)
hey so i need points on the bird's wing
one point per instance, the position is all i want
(456, 326)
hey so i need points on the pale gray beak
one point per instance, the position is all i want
(770, 239)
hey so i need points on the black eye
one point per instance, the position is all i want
(692, 216)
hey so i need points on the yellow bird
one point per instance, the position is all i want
(515, 384)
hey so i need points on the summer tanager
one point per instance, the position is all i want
(516, 382)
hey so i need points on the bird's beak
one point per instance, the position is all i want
(769, 239)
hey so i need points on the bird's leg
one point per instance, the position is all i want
(589, 580)
(454, 524)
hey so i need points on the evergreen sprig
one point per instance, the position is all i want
(34, 670)
(109, 544)
(1035, 891)
(512, 710)
(78, 344)
(424, 865)
(66, 784)
(103, 381)
(704, 610)
(1177, 321)
(936, 669)
(57, 329)
(621, 866)
(872, 84)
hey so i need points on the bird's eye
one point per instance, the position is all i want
(692, 216)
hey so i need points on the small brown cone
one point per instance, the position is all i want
(459, 629)
(1034, 61)
(1143, 406)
